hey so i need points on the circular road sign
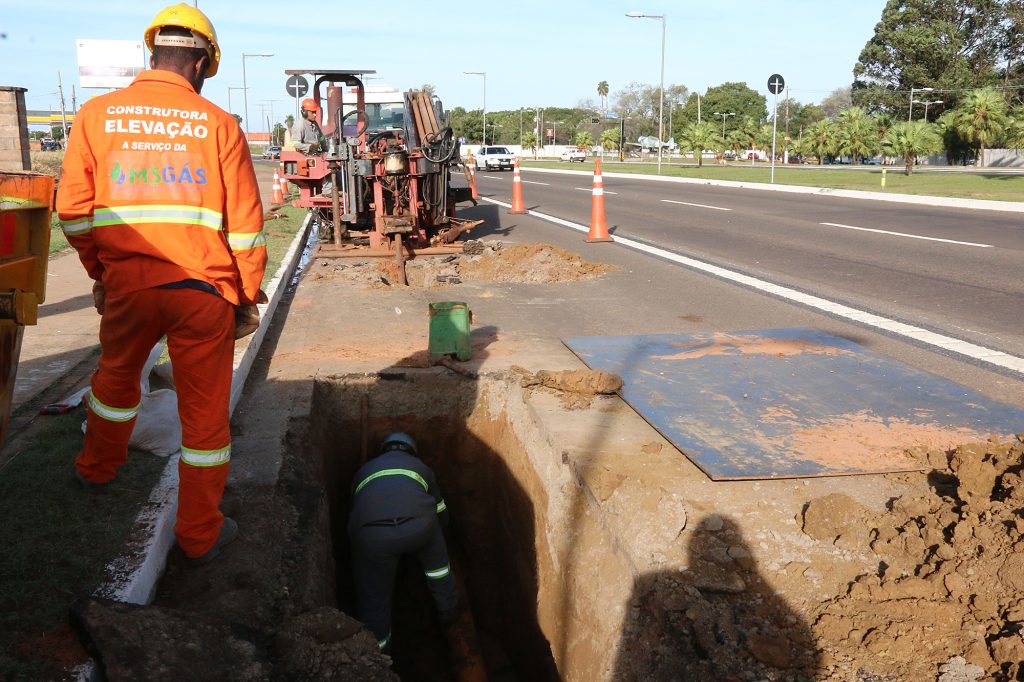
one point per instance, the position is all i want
(296, 86)
(776, 83)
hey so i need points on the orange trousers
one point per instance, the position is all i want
(200, 339)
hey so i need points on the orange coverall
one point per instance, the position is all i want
(158, 188)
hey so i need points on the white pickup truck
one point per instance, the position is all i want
(571, 155)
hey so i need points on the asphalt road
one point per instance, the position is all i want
(955, 272)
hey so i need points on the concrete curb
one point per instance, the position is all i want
(132, 577)
(923, 199)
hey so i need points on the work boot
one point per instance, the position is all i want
(86, 484)
(228, 532)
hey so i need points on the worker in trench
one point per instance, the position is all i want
(398, 510)
(158, 195)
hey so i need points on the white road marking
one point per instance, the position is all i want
(912, 236)
(591, 189)
(491, 177)
(685, 203)
(922, 336)
(534, 182)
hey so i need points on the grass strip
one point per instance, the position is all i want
(57, 539)
(998, 187)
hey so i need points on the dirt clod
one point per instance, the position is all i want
(578, 386)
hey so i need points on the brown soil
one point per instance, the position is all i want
(480, 262)
(950, 580)
(867, 442)
(736, 344)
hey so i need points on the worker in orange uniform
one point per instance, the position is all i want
(158, 194)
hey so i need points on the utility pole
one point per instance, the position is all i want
(74, 102)
(785, 155)
(63, 116)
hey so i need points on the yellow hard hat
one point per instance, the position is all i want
(186, 16)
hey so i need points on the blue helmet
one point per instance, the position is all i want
(399, 440)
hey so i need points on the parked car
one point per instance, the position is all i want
(571, 155)
(272, 153)
(50, 145)
(494, 158)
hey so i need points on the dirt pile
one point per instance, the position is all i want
(480, 261)
(538, 263)
(950, 578)
(155, 643)
(578, 387)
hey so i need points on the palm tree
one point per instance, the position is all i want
(981, 119)
(857, 134)
(610, 139)
(821, 138)
(739, 140)
(529, 139)
(1015, 129)
(763, 139)
(910, 139)
(602, 92)
(583, 139)
(700, 136)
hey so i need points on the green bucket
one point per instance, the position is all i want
(449, 331)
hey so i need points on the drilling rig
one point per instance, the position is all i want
(380, 182)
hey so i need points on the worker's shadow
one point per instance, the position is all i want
(717, 620)
(491, 538)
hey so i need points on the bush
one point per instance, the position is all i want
(47, 162)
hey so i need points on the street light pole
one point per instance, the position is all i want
(484, 74)
(230, 88)
(723, 115)
(910, 114)
(661, 98)
(926, 102)
(554, 132)
(271, 129)
(245, 86)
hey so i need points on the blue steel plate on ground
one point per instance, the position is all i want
(782, 403)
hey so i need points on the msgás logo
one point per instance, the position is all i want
(157, 175)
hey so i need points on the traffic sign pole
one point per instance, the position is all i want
(775, 85)
(297, 86)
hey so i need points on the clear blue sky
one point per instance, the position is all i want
(535, 52)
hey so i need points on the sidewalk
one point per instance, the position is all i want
(67, 333)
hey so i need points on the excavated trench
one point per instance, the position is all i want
(497, 501)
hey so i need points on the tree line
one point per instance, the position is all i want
(956, 67)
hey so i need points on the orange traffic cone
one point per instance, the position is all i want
(283, 182)
(598, 225)
(472, 176)
(517, 190)
(277, 197)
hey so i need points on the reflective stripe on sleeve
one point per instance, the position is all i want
(205, 458)
(77, 226)
(381, 643)
(244, 242)
(441, 506)
(137, 215)
(439, 573)
(112, 414)
(393, 472)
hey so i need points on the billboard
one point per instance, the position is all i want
(109, 63)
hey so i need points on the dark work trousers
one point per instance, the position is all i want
(376, 550)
